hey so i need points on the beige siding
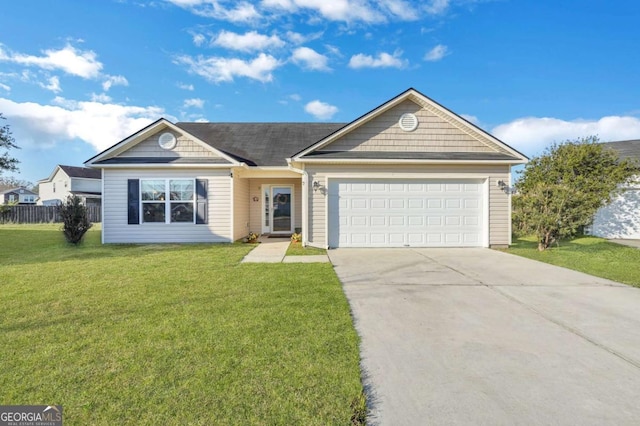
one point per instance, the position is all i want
(434, 134)
(255, 190)
(499, 214)
(116, 229)
(240, 208)
(184, 148)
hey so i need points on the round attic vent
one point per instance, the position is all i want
(167, 141)
(408, 122)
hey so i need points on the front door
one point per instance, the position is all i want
(278, 209)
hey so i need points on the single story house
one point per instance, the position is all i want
(621, 218)
(409, 173)
(70, 180)
(19, 195)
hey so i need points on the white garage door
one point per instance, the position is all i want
(405, 213)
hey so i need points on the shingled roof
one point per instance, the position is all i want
(626, 149)
(81, 172)
(262, 144)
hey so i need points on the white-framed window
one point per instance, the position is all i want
(167, 200)
(12, 198)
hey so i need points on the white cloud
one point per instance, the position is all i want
(68, 59)
(185, 86)
(243, 11)
(100, 97)
(193, 103)
(5, 87)
(297, 38)
(199, 39)
(218, 69)
(53, 84)
(401, 9)
(310, 59)
(333, 50)
(437, 7)
(321, 110)
(471, 119)
(295, 97)
(98, 124)
(334, 10)
(532, 134)
(383, 60)
(437, 53)
(114, 80)
(247, 42)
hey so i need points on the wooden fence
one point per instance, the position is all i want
(41, 214)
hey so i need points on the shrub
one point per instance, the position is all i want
(75, 219)
(296, 238)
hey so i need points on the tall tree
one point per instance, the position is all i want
(10, 182)
(560, 191)
(7, 142)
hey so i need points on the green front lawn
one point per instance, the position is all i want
(171, 334)
(296, 249)
(591, 255)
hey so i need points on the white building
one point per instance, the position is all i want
(621, 218)
(69, 180)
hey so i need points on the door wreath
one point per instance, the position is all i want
(281, 199)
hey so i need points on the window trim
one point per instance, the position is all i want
(167, 201)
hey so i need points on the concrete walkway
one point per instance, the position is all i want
(630, 243)
(273, 250)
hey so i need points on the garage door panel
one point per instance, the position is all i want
(378, 203)
(401, 212)
(452, 221)
(378, 221)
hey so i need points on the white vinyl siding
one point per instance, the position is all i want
(114, 222)
(498, 201)
(621, 218)
(86, 185)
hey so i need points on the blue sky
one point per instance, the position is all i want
(78, 76)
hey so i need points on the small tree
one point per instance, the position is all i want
(7, 142)
(560, 191)
(75, 219)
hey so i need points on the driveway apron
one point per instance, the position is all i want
(476, 336)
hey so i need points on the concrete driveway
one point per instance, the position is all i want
(476, 336)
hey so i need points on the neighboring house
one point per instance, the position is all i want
(70, 180)
(409, 173)
(19, 195)
(621, 218)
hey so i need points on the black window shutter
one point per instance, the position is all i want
(133, 198)
(201, 201)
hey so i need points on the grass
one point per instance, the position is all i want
(591, 255)
(296, 249)
(172, 334)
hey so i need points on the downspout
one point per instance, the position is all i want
(305, 202)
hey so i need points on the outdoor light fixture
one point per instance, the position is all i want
(316, 185)
(255, 199)
(503, 186)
